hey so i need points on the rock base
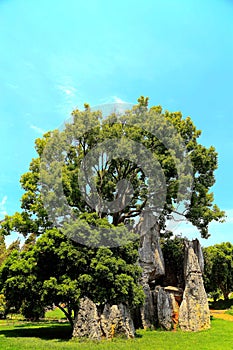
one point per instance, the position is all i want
(115, 320)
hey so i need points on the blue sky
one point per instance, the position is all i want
(56, 55)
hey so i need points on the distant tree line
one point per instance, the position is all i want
(218, 275)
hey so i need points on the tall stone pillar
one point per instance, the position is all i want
(152, 262)
(194, 312)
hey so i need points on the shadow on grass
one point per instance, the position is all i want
(61, 332)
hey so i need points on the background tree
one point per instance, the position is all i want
(173, 254)
(5, 252)
(3, 249)
(56, 270)
(219, 269)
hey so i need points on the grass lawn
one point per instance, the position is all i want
(52, 335)
(55, 314)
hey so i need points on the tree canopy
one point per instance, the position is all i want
(116, 167)
(56, 270)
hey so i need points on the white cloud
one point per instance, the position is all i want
(3, 201)
(69, 96)
(37, 129)
(2, 207)
(118, 99)
(68, 90)
(112, 99)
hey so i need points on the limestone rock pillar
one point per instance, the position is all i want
(194, 312)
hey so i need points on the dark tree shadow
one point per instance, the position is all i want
(60, 332)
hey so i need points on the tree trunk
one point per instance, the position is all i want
(67, 314)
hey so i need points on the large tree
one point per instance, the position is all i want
(87, 189)
(79, 170)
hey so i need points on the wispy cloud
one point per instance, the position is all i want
(68, 95)
(37, 129)
(3, 207)
(112, 99)
(117, 99)
(68, 90)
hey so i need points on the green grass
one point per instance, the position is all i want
(55, 336)
(55, 314)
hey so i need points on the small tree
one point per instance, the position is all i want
(219, 268)
(58, 271)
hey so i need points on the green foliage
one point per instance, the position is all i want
(2, 305)
(56, 270)
(219, 268)
(87, 131)
(173, 253)
(221, 304)
(29, 242)
(3, 249)
(6, 251)
(32, 309)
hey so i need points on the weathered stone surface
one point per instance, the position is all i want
(168, 301)
(116, 320)
(150, 253)
(148, 310)
(152, 262)
(174, 290)
(194, 312)
(198, 251)
(164, 306)
(87, 323)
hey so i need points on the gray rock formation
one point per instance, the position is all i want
(198, 251)
(164, 309)
(115, 320)
(150, 253)
(87, 323)
(194, 312)
(165, 306)
(152, 262)
(168, 300)
(168, 306)
(148, 310)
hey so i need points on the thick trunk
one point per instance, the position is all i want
(225, 292)
(67, 314)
